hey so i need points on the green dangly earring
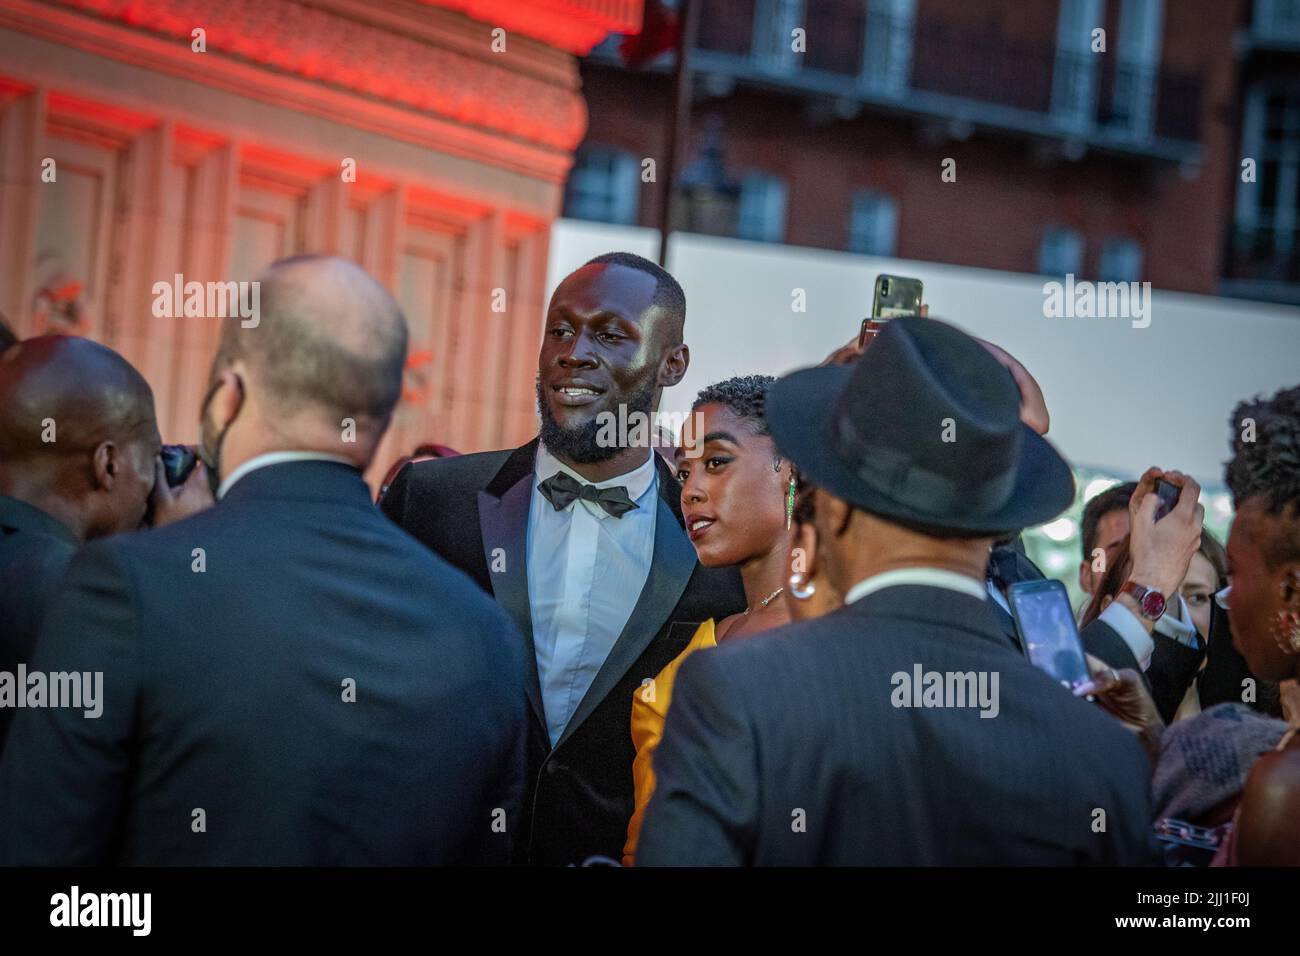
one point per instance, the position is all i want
(789, 504)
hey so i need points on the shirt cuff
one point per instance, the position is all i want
(1125, 623)
(1176, 624)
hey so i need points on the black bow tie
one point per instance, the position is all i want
(561, 489)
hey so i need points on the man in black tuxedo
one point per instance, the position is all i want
(902, 728)
(78, 440)
(287, 678)
(578, 534)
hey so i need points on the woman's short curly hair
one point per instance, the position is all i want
(743, 395)
(1265, 463)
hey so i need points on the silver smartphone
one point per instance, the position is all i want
(894, 296)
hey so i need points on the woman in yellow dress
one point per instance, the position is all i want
(739, 504)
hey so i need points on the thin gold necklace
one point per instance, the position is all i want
(767, 600)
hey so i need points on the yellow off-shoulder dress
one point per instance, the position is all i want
(649, 709)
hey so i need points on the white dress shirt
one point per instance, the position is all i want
(929, 577)
(586, 570)
(274, 458)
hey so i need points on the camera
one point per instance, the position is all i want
(178, 461)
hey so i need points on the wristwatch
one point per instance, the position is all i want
(1151, 601)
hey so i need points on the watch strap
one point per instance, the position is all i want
(1140, 593)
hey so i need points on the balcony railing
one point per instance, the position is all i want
(859, 54)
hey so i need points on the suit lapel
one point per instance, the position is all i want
(670, 570)
(503, 522)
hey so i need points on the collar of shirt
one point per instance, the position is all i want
(1176, 623)
(274, 458)
(637, 482)
(928, 577)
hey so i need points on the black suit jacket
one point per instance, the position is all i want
(788, 749)
(473, 510)
(34, 552)
(1099, 638)
(224, 692)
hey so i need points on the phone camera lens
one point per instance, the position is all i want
(884, 287)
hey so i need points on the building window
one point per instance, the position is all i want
(1267, 241)
(1061, 252)
(887, 62)
(1141, 23)
(1121, 260)
(873, 224)
(774, 24)
(1074, 78)
(762, 208)
(604, 186)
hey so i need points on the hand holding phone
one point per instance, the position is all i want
(1048, 634)
(893, 296)
(1123, 694)
(1163, 547)
(1167, 491)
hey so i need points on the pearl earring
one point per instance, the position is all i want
(801, 588)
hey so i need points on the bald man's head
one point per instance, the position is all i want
(331, 341)
(76, 424)
(89, 393)
(320, 371)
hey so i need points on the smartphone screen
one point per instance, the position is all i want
(1047, 630)
(1168, 493)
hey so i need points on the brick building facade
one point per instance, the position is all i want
(1119, 163)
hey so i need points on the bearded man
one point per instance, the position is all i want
(579, 535)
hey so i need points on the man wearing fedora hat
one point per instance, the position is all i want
(1123, 635)
(859, 738)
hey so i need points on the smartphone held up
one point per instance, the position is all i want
(1047, 630)
(1168, 493)
(893, 296)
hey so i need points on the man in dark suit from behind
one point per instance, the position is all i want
(578, 534)
(901, 729)
(288, 679)
(1122, 635)
(78, 441)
